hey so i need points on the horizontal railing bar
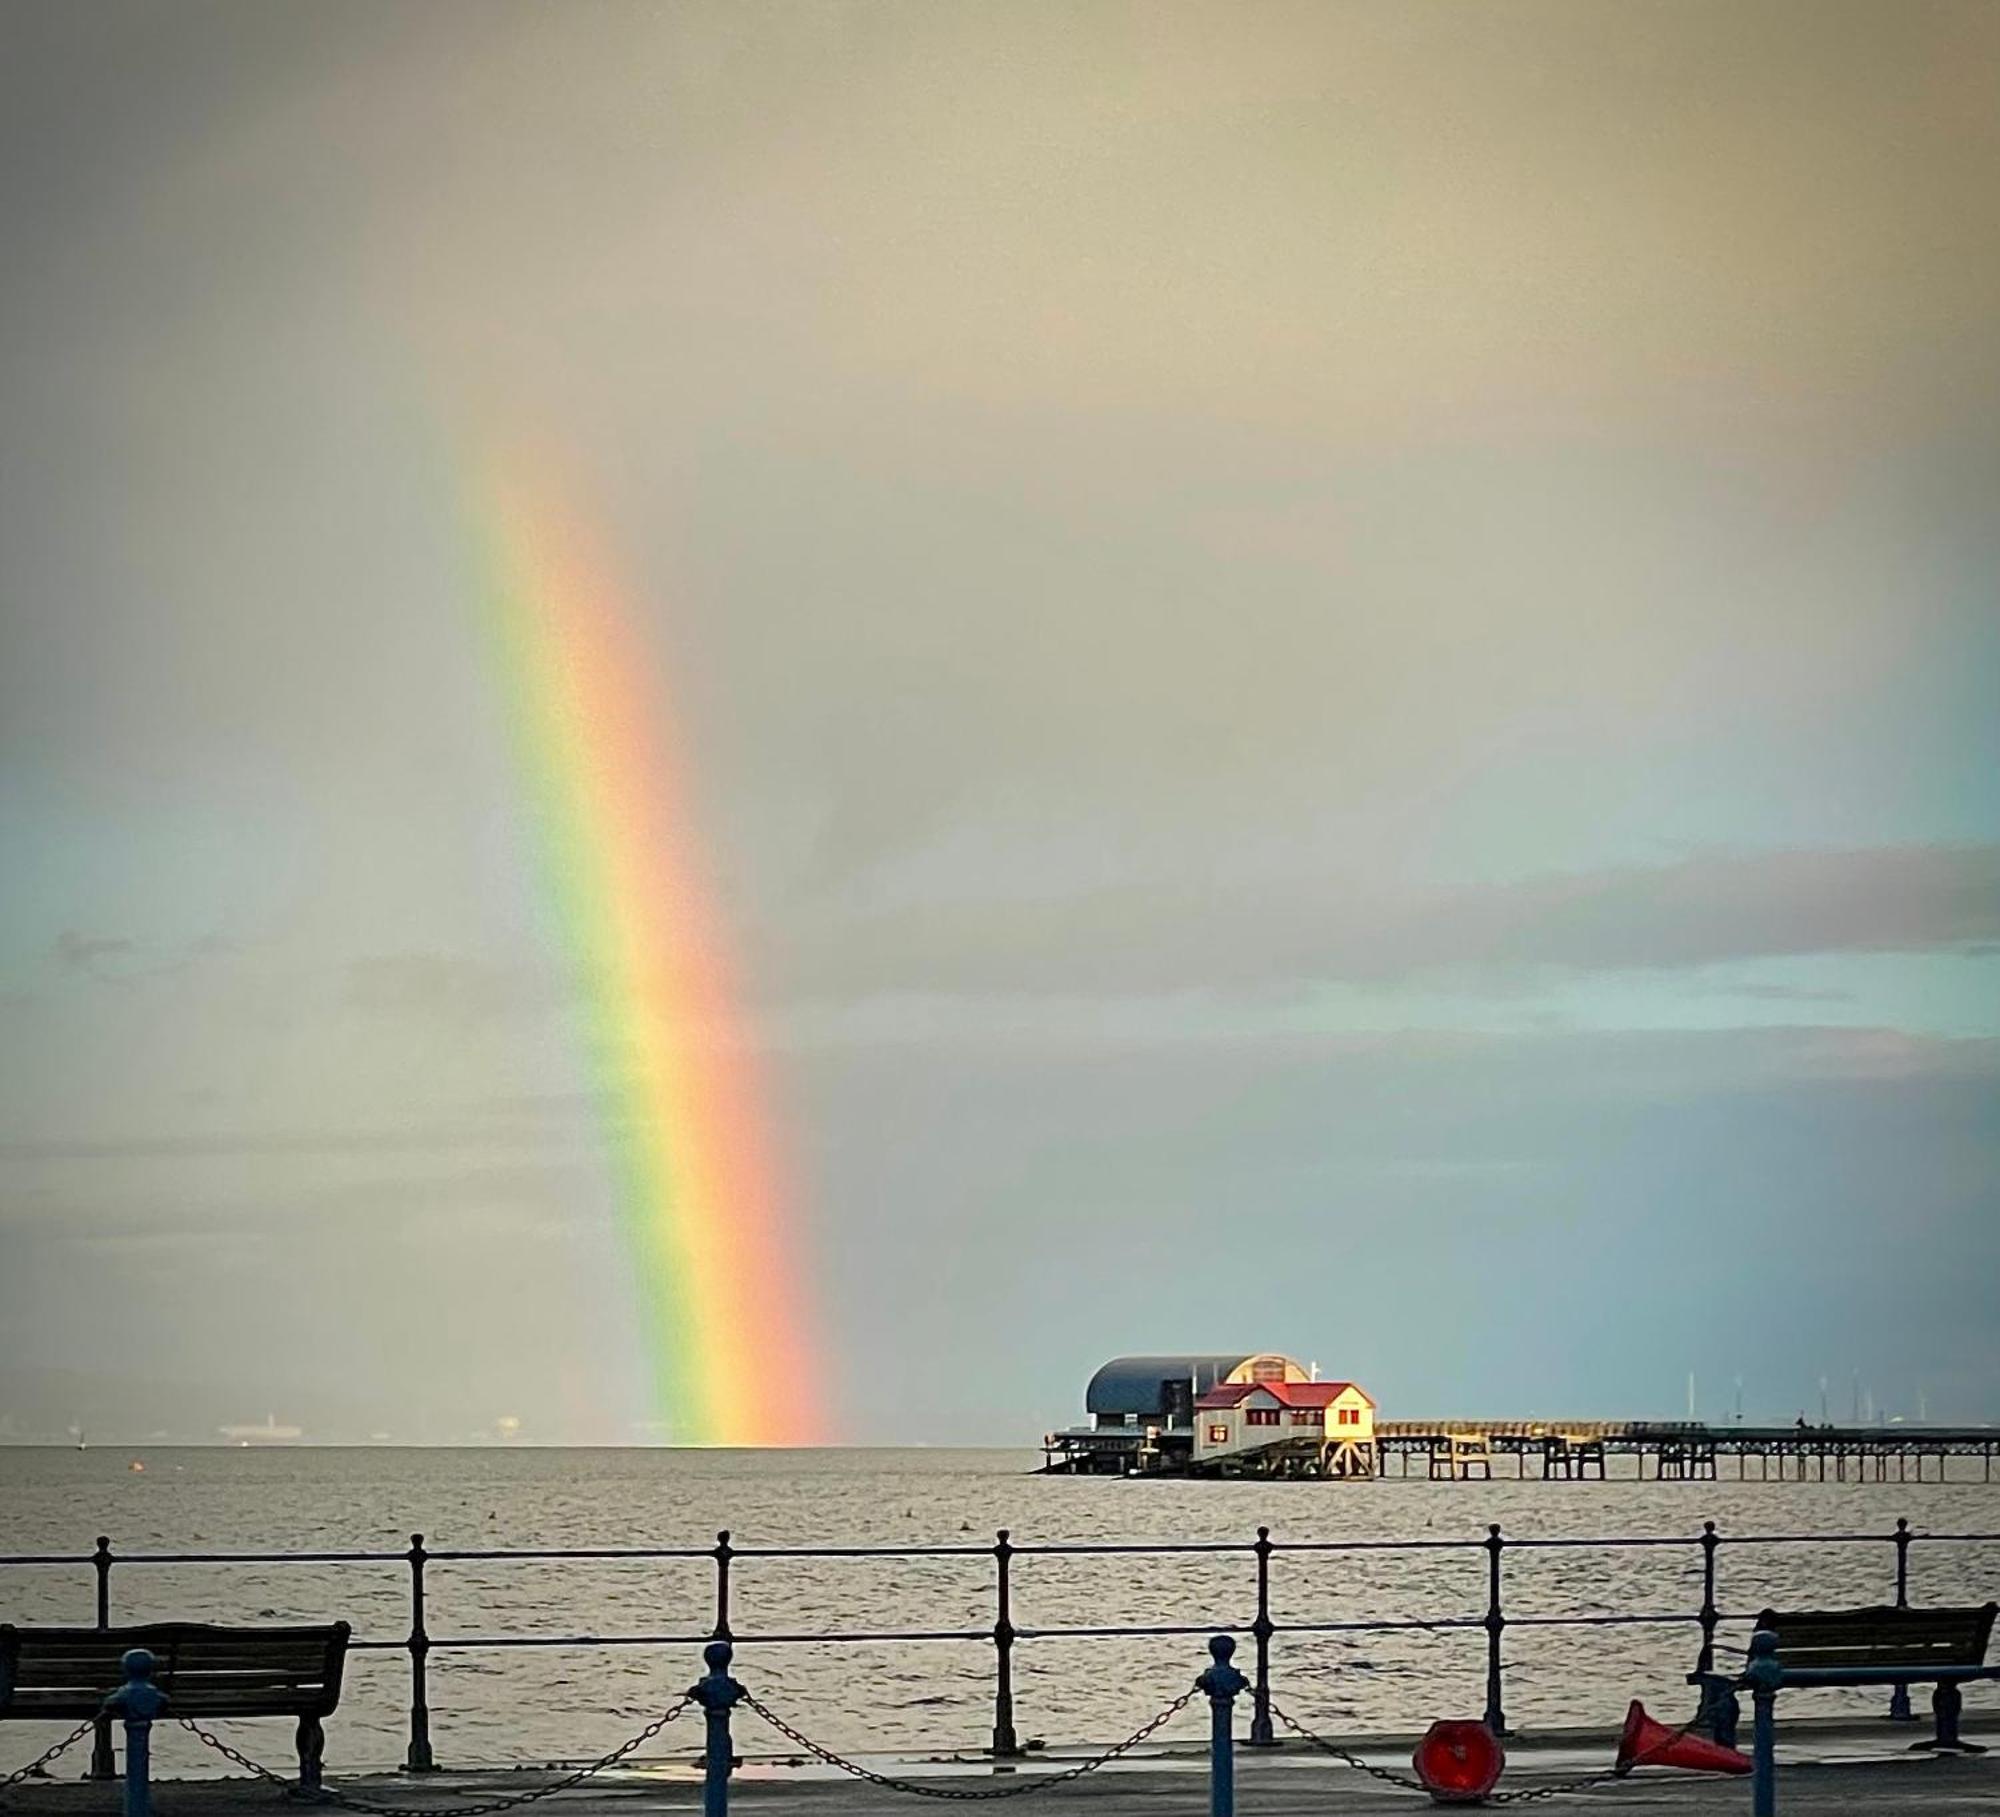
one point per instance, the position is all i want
(1597, 1621)
(256, 1558)
(1572, 1545)
(858, 1552)
(1375, 1545)
(1165, 1628)
(1086, 1547)
(466, 1553)
(1041, 1549)
(1413, 1624)
(844, 1637)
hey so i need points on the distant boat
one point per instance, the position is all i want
(269, 1433)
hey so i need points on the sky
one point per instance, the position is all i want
(1334, 667)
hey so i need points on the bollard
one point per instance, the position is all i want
(718, 1694)
(138, 1700)
(1222, 1682)
(1763, 1675)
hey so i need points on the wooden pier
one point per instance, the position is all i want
(1682, 1451)
(1565, 1451)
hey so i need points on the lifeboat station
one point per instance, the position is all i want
(1257, 1415)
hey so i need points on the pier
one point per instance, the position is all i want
(1266, 1415)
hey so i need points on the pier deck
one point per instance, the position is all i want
(1558, 1449)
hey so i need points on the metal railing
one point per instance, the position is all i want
(1004, 1635)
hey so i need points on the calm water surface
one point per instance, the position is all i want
(498, 1705)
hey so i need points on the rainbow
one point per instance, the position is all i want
(722, 1319)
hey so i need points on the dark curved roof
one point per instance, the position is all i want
(1131, 1384)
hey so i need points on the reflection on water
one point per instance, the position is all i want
(504, 1705)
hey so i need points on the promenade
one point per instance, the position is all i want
(1825, 1768)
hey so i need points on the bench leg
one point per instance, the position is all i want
(1946, 1703)
(312, 1750)
(103, 1760)
(1720, 1712)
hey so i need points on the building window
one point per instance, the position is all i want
(1267, 1369)
(1261, 1416)
(1350, 1416)
(1304, 1416)
(1218, 1435)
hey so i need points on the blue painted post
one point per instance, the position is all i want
(1223, 1683)
(138, 1700)
(1763, 1675)
(1899, 1698)
(718, 1694)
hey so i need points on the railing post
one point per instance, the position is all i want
(1222, 1682)
(1899, 1698)
(1261, 1735)
(103, 1760)
(1764, 1675)
(1496, 1715)
(138, 1700)
(1006, 1745)
(718, 1694)
(417, 1757)
(1709, 1713)
(722, 1554)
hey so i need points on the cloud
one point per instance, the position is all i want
(1780, 993)
(441, 985)
(1201, 932)
(83, 952)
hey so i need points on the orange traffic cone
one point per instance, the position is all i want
(1459, 1762)
(1646, 1743)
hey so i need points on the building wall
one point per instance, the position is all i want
(1218, 1430)
(1360, 1426)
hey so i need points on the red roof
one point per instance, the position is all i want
(1286, 1394)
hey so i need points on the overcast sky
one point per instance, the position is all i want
(1337, 664)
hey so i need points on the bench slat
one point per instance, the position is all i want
(1883, 1637)
(206, 1670)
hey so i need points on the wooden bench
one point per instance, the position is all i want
(1884, 1646)
(65, 1674)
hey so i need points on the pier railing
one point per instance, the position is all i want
(1490, 1623)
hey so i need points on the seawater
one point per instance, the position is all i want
(514, 1704)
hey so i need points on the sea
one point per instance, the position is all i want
(497, 1705)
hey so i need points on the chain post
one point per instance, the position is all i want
(718, 1694)
(417, 1757)
(1261, 1734)
(1496, 1716)
(103, 1761)
(1764, 1674)
(1222, 1683)
(1899, 1697)
(723, 1552)
(1006, 1745)
(138, 1700)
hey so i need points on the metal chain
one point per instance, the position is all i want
(1019, 1788)
(1526, 1795)
(331, 1795)
(48, 1754)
